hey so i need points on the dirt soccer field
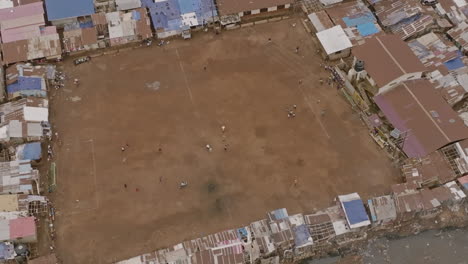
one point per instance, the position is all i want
(155, 97)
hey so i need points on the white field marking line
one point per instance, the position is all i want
(185, 78)
(309, 104)
(85, 210)
(391, 56)
(93, 155)
(299, 65)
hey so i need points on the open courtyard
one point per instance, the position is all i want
(166, 106)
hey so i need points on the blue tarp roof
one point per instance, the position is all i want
(363, 18)
(355, 212)
(25, 83)
(367, 29)
(242, 232)
(455, 63)
(60, 9)
(302, 235)
(31, 151)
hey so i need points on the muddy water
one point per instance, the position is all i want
(431, 247)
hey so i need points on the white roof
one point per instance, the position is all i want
(15, 129)
(4, 229)
(4, 132)
(340, 227)
(330, 2)
(334, 39)
(127, 4)
(6, 4)
(36, 114)
(189, 19)
(34, 130)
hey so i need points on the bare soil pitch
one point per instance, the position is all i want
(155, 97)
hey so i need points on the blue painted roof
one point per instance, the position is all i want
(6, 251)
(167, 14)
(60, 9)
(355, 211)
(136, 15)
(32, 151)
(302, 235)
(278, 214)
(25, 83)
(367, 29)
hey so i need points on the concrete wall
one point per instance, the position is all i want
(60, 23)
(342, 54)
(270, 9)
(167, 34)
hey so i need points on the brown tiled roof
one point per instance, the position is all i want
(228, 7)
(387, 57)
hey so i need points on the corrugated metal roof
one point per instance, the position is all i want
(36, 114)
(61, 9)
(25, 83)
(4, 230)
(302, 236)
(320, 20)
(9, 203)
(34, 130)
(382, 208)
(21, 11)
(169, 15)
(393, 12)
(22, 227)
(426, 121)
(386, 58)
